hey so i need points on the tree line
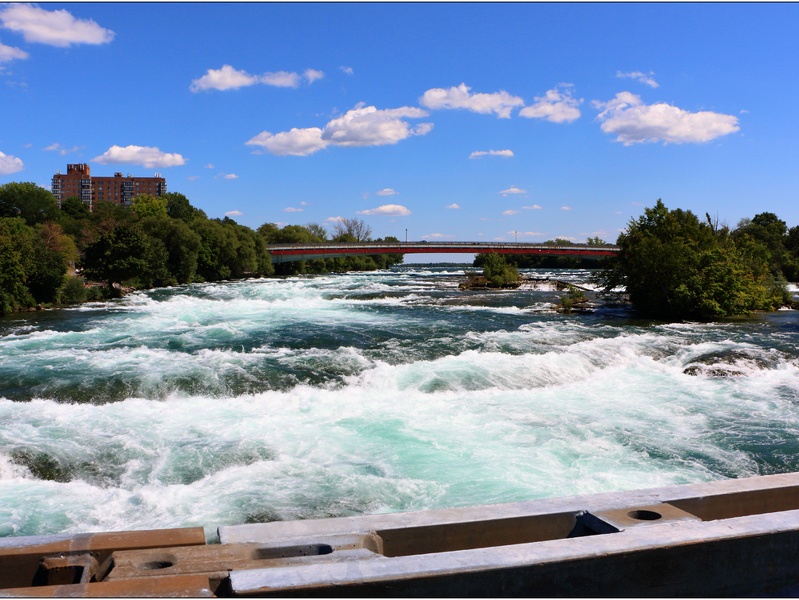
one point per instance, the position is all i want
(48, 253)
(674, 265)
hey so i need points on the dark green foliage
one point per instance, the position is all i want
(73, 291)
(498, 271)
(179, 207)
(16, 253)
(117, 255)
(27, 201)
(675, 267)
(75, 208)
(47, 273)
(178, 248)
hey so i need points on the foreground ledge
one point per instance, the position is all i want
(725, 538)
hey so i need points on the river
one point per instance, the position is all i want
(336, 395)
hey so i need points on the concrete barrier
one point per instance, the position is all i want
(732, 538)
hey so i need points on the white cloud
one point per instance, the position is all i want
(54, 28)
(532, 207)
(565, 208)
(634, 122)
(361, 126)
(387, 210)
(9, 53)
(297, 142)
(368, 126)
(501, 103)
(291, 209)
(510, 212)
(280, 79)
(208, 166)
(334, 220)
(146, 156)
(513, 190)
(227, 176)
(10, 164)
(558, 105)
(644, 78)
(193, 177)
(438, 236)
(453, 206)
(226, 78)
(234, 213)
(387, 192)
(312, 75)
(347, 70)
(56, 147)
(482, 153)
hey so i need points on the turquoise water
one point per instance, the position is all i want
(347, 394)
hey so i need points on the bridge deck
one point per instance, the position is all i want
(294, 252)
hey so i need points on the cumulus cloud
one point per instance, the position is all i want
(234, 213)
(510, 212)
(387, 210)
(347, 70)
(52, 27)
(439, 236)
(501, 103)
(482, 153)
(368, 126)
(644, 78)
(532, 207)
(312, 75)
(361, 126)
(296, 142)
(10, 164)
(228, 78)
(226, 176)
(387, 192)
(633, 122)
(280, 79)
(334, 220)
(558, 105)
(146, 156)
(453, 206)
(565, 208)
(56, 147)
(513, 190)
(9, 53)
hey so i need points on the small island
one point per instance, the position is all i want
(497, 274)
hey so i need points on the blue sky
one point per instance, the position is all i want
(453, 121)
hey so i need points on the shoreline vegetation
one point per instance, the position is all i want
(672, 265)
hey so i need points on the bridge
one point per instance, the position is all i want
(293, 252)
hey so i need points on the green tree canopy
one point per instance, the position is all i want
(28, 201)
(498, 271)
(117, 255)
(675, 267)
(146, 205)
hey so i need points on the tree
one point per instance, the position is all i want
(180, 244)
(354, 227)
(16, 254)
(319, 232)
(28, 201)
(498, 271)
(675, 267)
(145, 205)
(179, 207)
(117, 255)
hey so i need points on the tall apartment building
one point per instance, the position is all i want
(119, 189)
